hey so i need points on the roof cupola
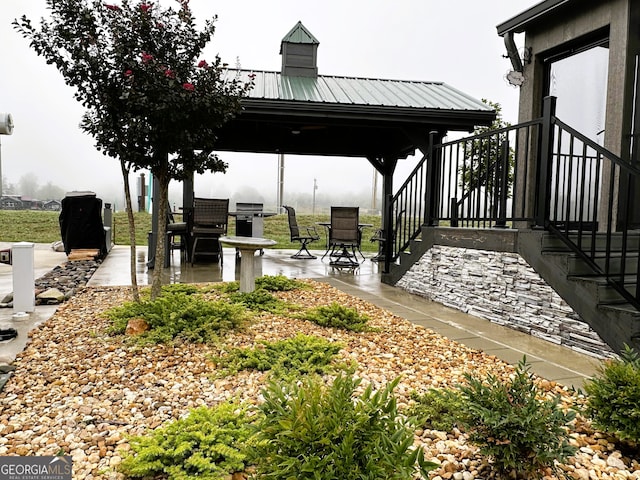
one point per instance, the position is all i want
(299, 53)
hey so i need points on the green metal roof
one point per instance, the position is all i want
(299, 34)
(354, 91)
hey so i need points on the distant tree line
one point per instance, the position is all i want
(28, 187)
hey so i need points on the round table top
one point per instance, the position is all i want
(248, 242)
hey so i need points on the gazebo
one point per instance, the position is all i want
(298, 111)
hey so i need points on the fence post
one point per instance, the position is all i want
(431, 190)
(543, 200)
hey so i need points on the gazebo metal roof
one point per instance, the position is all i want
(346, 116)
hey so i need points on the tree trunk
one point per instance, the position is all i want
(162, 177)
(132, 231)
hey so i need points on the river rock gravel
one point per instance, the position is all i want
(80, 391)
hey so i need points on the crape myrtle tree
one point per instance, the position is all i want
(151, 100)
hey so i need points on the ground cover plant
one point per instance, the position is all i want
(335, 315)
(260, 300)
(289, 359)
(613, 400)
(179, 317)
(438, 409)
(209, 443)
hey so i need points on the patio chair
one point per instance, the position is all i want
(208, 222)
(344, 237)
(176, 230)
(379, 236)
(310, 235)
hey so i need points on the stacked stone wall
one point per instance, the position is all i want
(502, 288)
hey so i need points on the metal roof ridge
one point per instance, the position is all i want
(435, 82)
(304, 35)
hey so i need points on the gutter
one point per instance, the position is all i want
(512, 52)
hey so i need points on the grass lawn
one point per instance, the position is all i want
(43, 227)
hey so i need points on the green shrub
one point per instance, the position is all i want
(271, 283)
(179, 317)
(260, 301)
(278, 283)
(613, 400)
(227, 287)
(210, 443)
(291, 358)
(337, 316)
(438, 409)
(173, 288)
(311, 431)
(514, 425)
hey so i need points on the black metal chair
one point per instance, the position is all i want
(208, 222)
(379, 236)
(305, 239)
(176, 230)
(344, 237)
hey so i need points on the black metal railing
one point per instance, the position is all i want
(540, 174)
(590, 207)
(471, 182)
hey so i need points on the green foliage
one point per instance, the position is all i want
(483, 157)
(613, 400)
(513, 424)
(310, 431)
(259, 300)
(210, 443)
(269, 283)
(335, 315)
(174, 288)
(278, 283)
(438, 409)
(179, 317)
(290, 358)
(138, 71)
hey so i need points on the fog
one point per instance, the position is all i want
(454, 41)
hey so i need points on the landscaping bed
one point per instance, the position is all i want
(80, 390)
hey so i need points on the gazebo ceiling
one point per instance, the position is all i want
(292, 126)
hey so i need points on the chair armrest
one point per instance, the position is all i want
(377, 236)
(312, 232)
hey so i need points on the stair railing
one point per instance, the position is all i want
(588, 202)
(540, 174)
(471, 182)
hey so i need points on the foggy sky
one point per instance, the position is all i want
(453, 41)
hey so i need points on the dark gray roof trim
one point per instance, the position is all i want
(518, 23)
